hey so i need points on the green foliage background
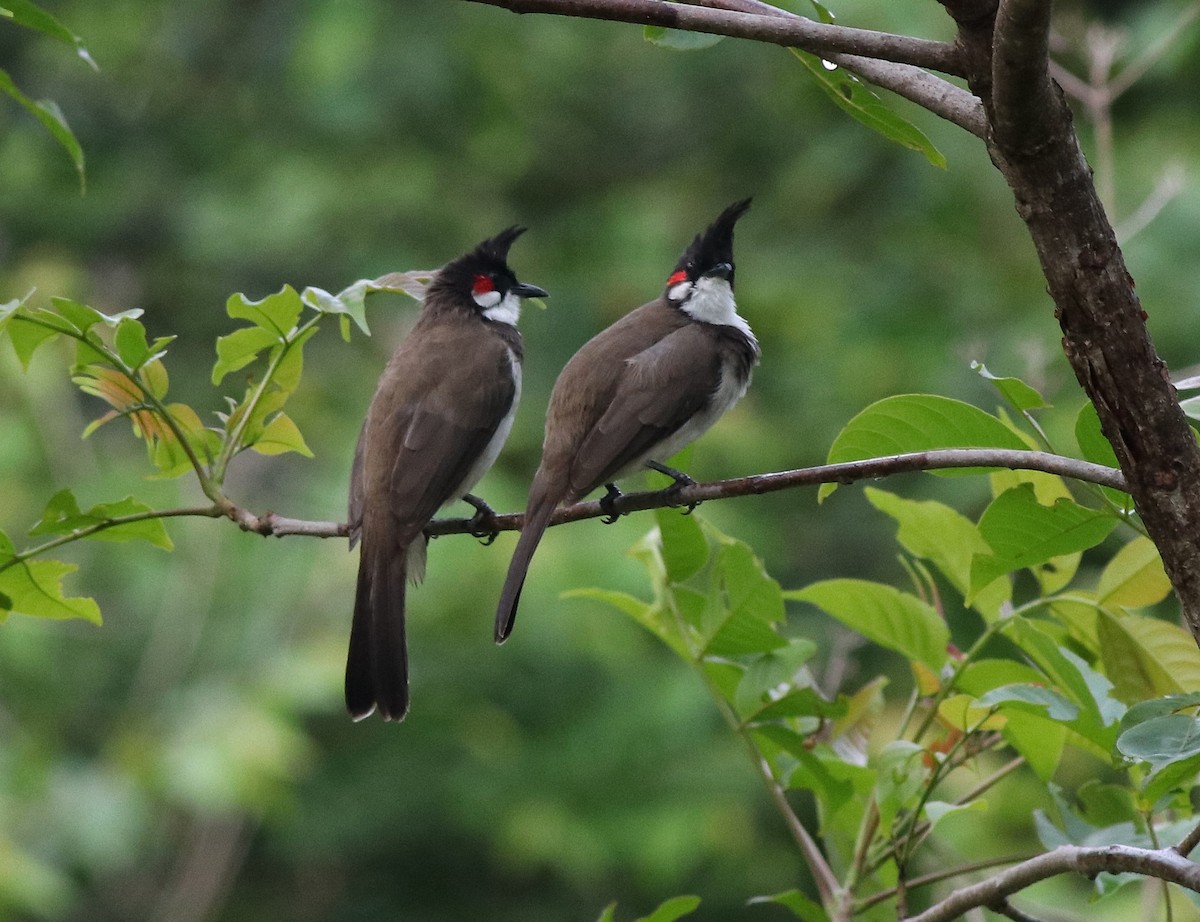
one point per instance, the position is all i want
(190, 758)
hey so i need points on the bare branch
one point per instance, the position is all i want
(271, 524)
(790, 32)
(1164, 864)
(942, 98)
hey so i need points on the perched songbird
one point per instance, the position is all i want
(440, 415)
(640, 391)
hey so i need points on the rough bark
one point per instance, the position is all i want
(1032, 142)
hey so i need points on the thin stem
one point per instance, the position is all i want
(1189, 842)
(233, 439)
(87, 531)
(936, 877)
(826, 881)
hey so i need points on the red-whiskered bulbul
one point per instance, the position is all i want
(441, 412)
(640, 391)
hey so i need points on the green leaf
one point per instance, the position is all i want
(654, 618)
(1096, 448)
(1020, 396)
(771, 672)
(1039, 739)
(1147, 657)
(800, 702)
(47, 112)
(130, 341)
(63, 516)
(890, 618)
(854, 98)
(981, 676)
(1071, 676)
(26, 336)
(278, 313)
(1159, 707)
(684, 547)
(938, 810)
(34, 587)
(902, 774)
(675, 908)
(82, 317)
(1032, 697)
(949, 540)
(1162, 740)
(1134, 578)
(239, 349)
(291, 367)
(1023, 533)
(801, 906)
(281, 435)
(751, 604)
(918, 422)
(679, 39)
(28, 14)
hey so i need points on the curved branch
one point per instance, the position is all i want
(1164, 864)
(791, 32)
(847, 472)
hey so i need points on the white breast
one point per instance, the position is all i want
(485, 461)
(712, 302)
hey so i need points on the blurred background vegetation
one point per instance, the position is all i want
(191, 759)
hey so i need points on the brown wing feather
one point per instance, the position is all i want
(658, 390)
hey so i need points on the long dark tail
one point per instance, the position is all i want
(377, 664)
(537, 517)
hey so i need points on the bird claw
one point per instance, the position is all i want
(482, 524)
(611, 495)
(681, 480)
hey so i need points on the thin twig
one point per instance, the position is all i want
(938, 876)
(1164, 864)
(790, 32)
(1189, 842)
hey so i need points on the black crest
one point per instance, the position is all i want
(489, 258)
(715, 245)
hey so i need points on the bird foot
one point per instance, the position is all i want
(482, 524)
(681, 480)
(611, 495)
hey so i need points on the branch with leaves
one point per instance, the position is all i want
(117, 363)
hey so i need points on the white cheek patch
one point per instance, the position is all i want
(679, 291)
(502, 310)
(486, 299)
(712, 302)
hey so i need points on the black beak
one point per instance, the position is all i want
(720, 271)
(523, 290)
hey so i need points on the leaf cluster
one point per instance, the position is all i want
(116, 361)
(1062, 662)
